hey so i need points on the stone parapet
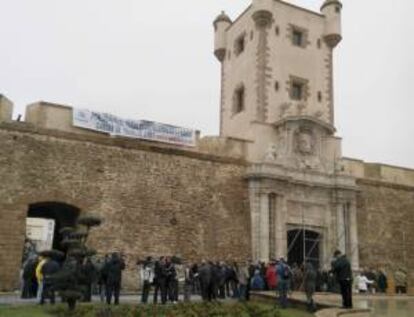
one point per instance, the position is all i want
(6, 109)
(380, 173)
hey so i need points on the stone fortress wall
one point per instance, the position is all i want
(158, 199)
(154, 199)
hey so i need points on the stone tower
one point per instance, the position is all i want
(277, 100)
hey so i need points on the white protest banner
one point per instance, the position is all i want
(140, 129)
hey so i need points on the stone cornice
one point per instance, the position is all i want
(331, 129)
(308, 178)
(378, 183)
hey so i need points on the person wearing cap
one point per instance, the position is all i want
(341, 267)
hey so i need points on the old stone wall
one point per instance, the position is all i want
(385, 225)
(155, 200)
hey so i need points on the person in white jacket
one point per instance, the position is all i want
(362, 283)
(147, 278)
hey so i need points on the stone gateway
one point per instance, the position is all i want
(273, 184)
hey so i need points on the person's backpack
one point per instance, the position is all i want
(287, 273)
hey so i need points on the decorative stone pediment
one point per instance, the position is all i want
(303, 143)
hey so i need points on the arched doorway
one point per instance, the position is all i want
(45, 219)
(304, 245)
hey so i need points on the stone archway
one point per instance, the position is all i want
(61, 214)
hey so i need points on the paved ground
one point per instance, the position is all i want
(14, 299)
(382, 305)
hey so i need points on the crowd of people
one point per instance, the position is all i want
(167, 277)
(104, 276)
(213, 280)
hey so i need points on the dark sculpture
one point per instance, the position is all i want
(70, 281)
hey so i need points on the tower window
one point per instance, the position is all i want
(277, 31)
(276, 85)
(298, 88)
(297, 38)
(240, 44)
(239, 100)
(297, 91)
(319, 43)
(337, 9)
(319, 96)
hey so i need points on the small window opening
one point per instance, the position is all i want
(239, 100)
(277, 31)
(319, 96)
(277, 86)
(240, 45)
(297, 91)
(337, 9)
(297, 38)
(319, 43)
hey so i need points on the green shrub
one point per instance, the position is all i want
(180, 310)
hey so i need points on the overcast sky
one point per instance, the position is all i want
(153, 60)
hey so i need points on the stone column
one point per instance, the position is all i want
(254, 218)
(353, 236)
(340, 228)
(264, 227)
(281, 233)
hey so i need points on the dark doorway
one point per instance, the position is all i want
(304, 245)
(64, 216)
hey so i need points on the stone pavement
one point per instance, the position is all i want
(382, 305)
(14, 299)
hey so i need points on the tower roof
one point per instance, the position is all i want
(330, 2)
(222, 17)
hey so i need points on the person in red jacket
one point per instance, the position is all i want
(271, 276)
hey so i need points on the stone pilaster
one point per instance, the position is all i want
(264, 227)
(222, 98)
(281, 231)
(341, 228)
(353, 237)
(330, 86)
(254, 198)
(263, 20)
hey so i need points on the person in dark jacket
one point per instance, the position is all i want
(196, 280)
(90, 275)
(251, 270)
(113, 271)
(101, 277)
(341, 267)
(309, 281)
(382, 282)
(160, 281)
(48, 269)
(29, 276)
(284, 275)
(171, 280)
(222, 271)
(205, 276)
